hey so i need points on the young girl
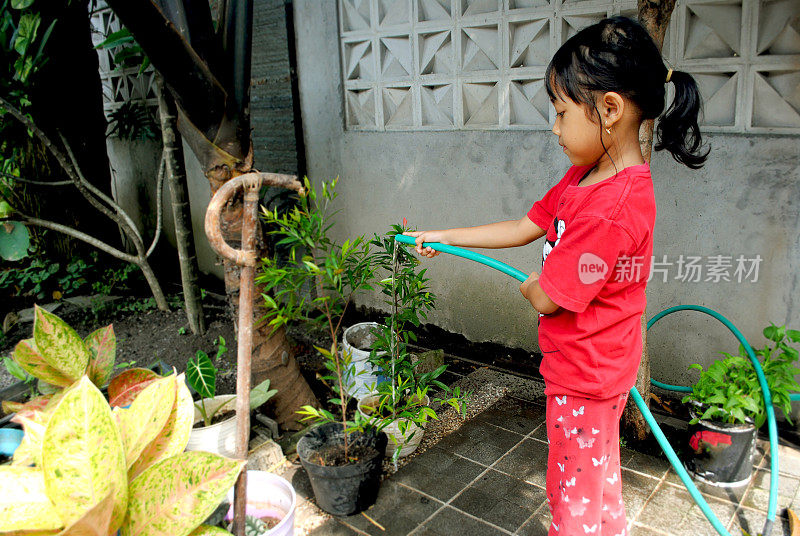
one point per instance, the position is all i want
(598, 222)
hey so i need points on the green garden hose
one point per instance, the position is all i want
(637, 398)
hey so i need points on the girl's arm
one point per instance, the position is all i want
(502, 234)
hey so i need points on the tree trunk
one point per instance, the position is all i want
(272, 356)
(184, 238)
(654, 15)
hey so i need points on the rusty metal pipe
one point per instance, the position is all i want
(246, 257)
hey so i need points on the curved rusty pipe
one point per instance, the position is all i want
(246, 258)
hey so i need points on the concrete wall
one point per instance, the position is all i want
(744, 202)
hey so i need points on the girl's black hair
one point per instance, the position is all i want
(617, 54)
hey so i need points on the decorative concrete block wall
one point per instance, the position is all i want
(479, 64)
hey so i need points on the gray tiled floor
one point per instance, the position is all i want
(488, 478)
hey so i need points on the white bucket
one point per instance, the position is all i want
(269, 495)
(357, 340)
(218, 438)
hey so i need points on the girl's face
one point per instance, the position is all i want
(579, 136)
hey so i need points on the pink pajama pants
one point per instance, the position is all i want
(583, 469)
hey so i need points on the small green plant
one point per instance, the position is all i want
(729, 391)
(402, 398)
(181, 331)
(222, 348)
(316, 284)
(201, 375)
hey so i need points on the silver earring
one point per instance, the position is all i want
(608, 130)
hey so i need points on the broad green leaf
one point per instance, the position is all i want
(173, 436)
(14, 368)
(21, 4)
(82, 455)
(59, 345)
(142, 422)
(96, 520)
(208, 530)
(175, 495)
(260, 394)
(26, 33)
(124, 387)
(23, 500)
(103, 345)
(201, 375)
(27, 355)
(14, 241)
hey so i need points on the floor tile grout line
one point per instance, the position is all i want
(487, 468)
(647, 501)
(543, 505)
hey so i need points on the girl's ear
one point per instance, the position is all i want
(611, 106)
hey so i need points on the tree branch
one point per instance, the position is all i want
(37, 183)
(71, 171)
(137, 237)
(159, 195)
(74, 233)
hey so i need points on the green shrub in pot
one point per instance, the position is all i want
(729, 391)
(728, 408)
(405, 397)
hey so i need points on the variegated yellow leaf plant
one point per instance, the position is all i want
(58, 356)
(84, 483)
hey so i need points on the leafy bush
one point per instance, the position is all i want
(729, 391)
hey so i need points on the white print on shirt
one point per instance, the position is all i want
(560, 226)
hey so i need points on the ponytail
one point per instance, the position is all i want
(677, 130)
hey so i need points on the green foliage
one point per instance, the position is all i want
(14, 240)
(316, 283)
(22, 48)
(729, 391)
(410, 299)
(41, 279)
(133, 121)
(201, 375)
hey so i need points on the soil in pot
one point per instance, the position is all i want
(342, 489)
(218, 418)
(334, 454)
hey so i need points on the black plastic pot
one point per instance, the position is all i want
(342, 489)
(721, 454)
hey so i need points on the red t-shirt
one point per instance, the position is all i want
(595, 266)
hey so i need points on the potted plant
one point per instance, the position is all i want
(57, 357)
(99, 470)
(215, 418)
(727, 407)
(402, 404)
(270, 506)
(316, 284)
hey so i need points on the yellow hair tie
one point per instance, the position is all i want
(669, 75)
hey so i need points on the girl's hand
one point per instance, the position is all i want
(427, 236)
(526, 285)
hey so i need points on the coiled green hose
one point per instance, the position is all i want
(637, 398)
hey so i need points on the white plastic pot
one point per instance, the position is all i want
(218, 438)
(408, 442)
(269, 495)
(357, 340)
